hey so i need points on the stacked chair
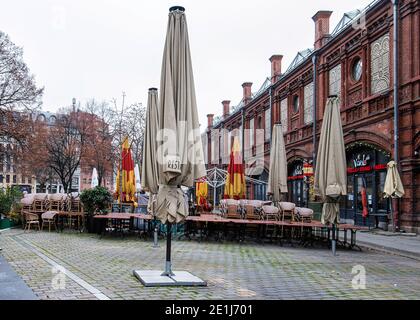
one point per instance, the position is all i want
(305, 215)
(74, 211)
(287, 210)
(55, 202)
(29, 218)
(232, 209)
(40, 204)
(271, 213)
(42, 210)
(252, 210)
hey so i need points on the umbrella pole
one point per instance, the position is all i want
(168, 267)
(392, 214)
(214, 199)
(334, 241)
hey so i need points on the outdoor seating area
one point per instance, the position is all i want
(243, 221)
(52, 210)
(236, 220)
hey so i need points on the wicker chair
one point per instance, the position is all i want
(75, 212)
(31, 219)
(26, 206)
(253, 210)
(304, 215)
(49, 218)
(287, 211)
(232, 209)
(55, 201)
(271, 213)
(233, 212)
(27, 202)
(40, 204)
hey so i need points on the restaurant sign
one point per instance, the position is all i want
(361, 163)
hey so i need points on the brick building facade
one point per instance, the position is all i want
(354, 61)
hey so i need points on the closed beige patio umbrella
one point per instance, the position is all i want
(277, 178)
(149, 168)
(393, 186)
(331, 168)
(181, 160)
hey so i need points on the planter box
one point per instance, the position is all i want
(6, 223)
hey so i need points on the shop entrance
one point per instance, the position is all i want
(366, 174)
(297, 184)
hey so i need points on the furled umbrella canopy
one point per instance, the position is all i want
(201, 187)
(331, 167)
(94, 182)
(128, 180)
(149, 168)
(393, 185)
(137, 177)
(181, 160)
(235, 186)
(277, 178)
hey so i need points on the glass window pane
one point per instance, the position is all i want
(335, 80)
(308, 103)
(380, 58)
(284, 115)
(267, 124)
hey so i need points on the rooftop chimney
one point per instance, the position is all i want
(275, 67)
(247, 86)
(226, 108)
(322, 28)
(73, 103)
(210, 118)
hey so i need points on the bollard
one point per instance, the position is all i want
(155, 238)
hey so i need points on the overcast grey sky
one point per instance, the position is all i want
(100, 48)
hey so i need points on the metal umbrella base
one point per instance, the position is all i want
(156, 278)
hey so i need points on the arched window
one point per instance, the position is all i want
(41, 118)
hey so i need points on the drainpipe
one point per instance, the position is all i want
(396, 83)
(271, 113)
(243, 134)
(314, 111)
(396, 93)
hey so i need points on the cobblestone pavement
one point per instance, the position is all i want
(102, 268)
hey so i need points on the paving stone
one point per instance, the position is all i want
(233, 271)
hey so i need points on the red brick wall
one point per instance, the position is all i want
(366, 117)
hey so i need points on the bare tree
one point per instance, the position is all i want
(19, 97)
(18, 91)
(115, 122)
(128, 121)
(66, 145)
(99, 153)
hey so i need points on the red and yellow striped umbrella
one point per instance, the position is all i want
(201, 192)
(128, 182)
(235, 187)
